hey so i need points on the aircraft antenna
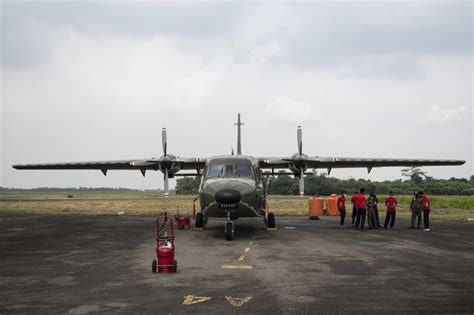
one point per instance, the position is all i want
(239, 145)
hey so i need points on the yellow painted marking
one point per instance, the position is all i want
(246, 250)
(192, 299)
(237, 302)
(245, 267)
(241, 258)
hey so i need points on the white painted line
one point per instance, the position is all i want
(470, 219)
(241, 258)
(250, 243)
(246, 250)
(244, 267)
(289, 227)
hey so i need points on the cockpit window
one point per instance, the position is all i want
(215, 170)
(229, 170)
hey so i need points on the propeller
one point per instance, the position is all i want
(164, 140)
(298, 160)
(299, 138)
(301, 182)
(166, 182)
(165, 161)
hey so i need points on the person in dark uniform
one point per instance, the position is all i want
(361, 205)
(391, 203)
(377, 221)
(371, 206)
(341, 205)
(416, 207)
(354, 209)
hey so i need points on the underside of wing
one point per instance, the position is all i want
(349, 162)
(344, 162)
(131, 164)
(97, 165)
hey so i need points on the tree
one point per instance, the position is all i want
(188, 185)
(414, 174)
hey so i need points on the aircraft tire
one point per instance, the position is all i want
(271, 220)
(199, 220)
(153, 266)
(175, 265)
(229, 234)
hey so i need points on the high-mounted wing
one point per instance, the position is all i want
(168, 163)
(299, 162)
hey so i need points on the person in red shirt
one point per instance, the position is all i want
(426, 211)
(391, 203)
(341, 205)
(354, 209)
(361, 205)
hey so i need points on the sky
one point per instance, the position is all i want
(91, 81)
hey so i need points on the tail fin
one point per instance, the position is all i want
(239, 143)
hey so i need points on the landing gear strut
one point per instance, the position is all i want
(199, 221)
(269, 217)
(229, 228)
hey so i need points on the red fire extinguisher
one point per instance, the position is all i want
(164, 261)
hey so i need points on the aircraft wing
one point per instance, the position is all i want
(130, 164)
(350, 162)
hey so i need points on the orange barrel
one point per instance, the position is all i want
(332, 205)
(315, 207)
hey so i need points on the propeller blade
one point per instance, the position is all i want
(299, 135)
(164, 140)
(301, 182)
(166, 182)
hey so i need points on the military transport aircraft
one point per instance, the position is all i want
(232, 186)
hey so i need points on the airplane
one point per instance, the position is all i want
(232, 186)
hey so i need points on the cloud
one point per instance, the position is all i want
(437, 114)
(97, 81)
(284, 109)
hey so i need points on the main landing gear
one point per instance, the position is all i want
(271, 221)
(199, 221)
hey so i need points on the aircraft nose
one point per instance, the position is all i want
(228, 196)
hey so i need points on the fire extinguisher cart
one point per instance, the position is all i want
(164, 261)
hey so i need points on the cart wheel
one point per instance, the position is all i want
(271, 220)
(175, 265)
(229, 234)
(199, 220)
(153, 266)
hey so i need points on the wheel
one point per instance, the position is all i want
(271, 220)
(175, 265)
(229, 231)
(199, 220)
(153, 266)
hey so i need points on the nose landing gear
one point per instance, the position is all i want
(229, 228)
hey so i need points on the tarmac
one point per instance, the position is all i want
(90, 264)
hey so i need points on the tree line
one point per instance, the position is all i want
(414, 180)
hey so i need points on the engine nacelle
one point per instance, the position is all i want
(167, 162)
(299, 162)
